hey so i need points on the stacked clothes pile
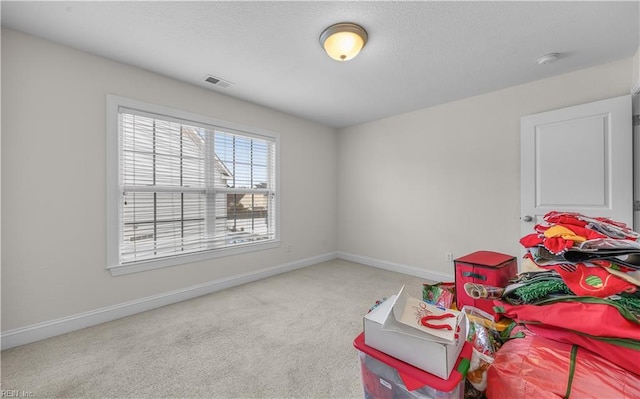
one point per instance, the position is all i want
(572, 255)
(579, 286)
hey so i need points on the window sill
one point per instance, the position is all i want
(152, 264)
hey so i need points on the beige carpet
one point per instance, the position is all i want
(288, 336)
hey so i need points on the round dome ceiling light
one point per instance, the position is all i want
(343, 41)
(548, 58)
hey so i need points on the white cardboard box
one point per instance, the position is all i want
(422, 350)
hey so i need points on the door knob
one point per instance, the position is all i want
(527, 218)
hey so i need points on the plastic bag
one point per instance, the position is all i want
(481, 291)
(538, 367)
(440, 294)
(485, 340)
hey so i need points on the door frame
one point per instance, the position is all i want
(635, 100)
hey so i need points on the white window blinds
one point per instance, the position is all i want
(188, 187)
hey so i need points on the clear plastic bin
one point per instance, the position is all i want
(385, 377)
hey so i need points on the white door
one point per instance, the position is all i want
(577, 159)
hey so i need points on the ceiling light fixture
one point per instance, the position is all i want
(548, 58)
(343, 41)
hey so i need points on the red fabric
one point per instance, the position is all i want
(580, 225)
(627, 358)
(595, 319)
(531, 240)
(558, 244)
(577, 219)
(564, 218)
(538, 367)
(591, 281)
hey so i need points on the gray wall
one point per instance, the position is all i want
(447, 178)
(53, 182)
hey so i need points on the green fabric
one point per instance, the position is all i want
(538, 290)
(629, 302)
(506, 335)
(463, 367)
(572, 370)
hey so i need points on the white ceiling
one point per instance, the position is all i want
(419, 54)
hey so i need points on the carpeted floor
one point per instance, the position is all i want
(288, 336)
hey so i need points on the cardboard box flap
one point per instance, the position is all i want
(407, 312)
(410, 345)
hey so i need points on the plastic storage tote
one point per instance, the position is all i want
(385, 377)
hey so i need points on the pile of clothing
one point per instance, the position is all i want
(579, 287)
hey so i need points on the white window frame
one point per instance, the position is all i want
(113, 187)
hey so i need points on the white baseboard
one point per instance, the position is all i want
(52, 328)
(396, 267)
(48, 329)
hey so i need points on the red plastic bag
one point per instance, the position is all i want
(625, 356)
(538, 367)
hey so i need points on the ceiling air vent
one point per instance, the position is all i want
(217, 81)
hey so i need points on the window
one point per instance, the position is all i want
(186, 187)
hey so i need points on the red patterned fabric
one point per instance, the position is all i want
(595, 281)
